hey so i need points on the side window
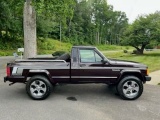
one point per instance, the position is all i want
(98, 58)
(89, 56)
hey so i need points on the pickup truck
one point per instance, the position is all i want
(86, 64)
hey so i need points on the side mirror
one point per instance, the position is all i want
(104, 61)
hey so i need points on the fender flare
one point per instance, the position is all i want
(37, 71)
(130, 71)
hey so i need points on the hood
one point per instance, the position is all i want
(125, 63)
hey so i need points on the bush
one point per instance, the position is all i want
(125, 51)
(46, 45)
(149, 46)
(58, 53)
(11, 45)
(135, 52)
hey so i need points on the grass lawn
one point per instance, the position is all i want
(48, 46)
(150, 58)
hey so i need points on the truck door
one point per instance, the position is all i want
(91, 68)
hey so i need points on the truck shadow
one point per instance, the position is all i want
(81, 91)
(71, 92)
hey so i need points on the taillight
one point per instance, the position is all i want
(8, 71)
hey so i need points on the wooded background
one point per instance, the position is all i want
(78, 22)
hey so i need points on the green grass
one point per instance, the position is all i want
(151, 58)
(7, 52)
(113, 47)
(48, 46)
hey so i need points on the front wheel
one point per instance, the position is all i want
(38, 87)
(130, 88)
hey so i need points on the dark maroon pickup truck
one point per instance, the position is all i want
(85, 65)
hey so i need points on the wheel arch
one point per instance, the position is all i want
(136, 73)
(44, 73)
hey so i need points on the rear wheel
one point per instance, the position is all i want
(130, 88)
(38, 87)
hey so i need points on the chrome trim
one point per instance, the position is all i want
(54, 67)
(81, 77)
(130, 70)
(91, 77)
(23, 60)
(60, 76)
(116, 70)
(38, 71)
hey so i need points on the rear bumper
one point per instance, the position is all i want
(5, 79)
(15, 79)
(148, 78)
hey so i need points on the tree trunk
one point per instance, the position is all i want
(140, 50)
(29, 25)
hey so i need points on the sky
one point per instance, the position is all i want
(133, 8)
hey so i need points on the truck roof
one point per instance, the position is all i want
(84, 47)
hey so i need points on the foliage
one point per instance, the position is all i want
(11, 20)
(143, 31)
(10, 46)
(152, 44)
(82, 22)
(54, 45)
(95, 22)
(58, 53)
(48, 46)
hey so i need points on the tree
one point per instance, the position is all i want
(144, 30)
(29, 23)
(95, 22)
(11, 20)
(81, 22)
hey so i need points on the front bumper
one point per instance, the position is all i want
(148, 78)
(15, 79)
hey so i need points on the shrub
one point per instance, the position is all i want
(58, 53)
(134, 52)
(125, 51)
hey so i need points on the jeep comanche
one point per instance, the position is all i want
(86, 64)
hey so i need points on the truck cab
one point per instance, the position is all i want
(91, 66)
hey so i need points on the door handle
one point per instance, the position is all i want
(82, 65)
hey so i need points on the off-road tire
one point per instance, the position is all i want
(122, 86)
